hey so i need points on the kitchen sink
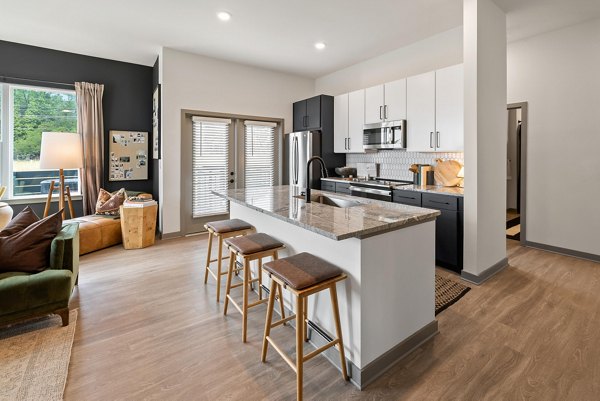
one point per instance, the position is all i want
(330, 201)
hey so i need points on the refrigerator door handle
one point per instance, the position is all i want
(296, 160)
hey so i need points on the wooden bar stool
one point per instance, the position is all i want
(222, 229)
(303, 274)
(250, 247)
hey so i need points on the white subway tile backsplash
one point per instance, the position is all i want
(395, 163)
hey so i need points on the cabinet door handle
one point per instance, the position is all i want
(345, 143)
(307, 121)
(431, 139)
(437, 139)
(380, 109)
(385, 112)
(348, 143)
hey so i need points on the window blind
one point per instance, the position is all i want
(210, 165)
(259, 154)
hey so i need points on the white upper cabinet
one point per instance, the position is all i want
(435, 111)
(385, 102)
(449, 109)
(394, 107)
(374, 104)
(348, 122)
(340, 123)
(420, 118)
(356, 121)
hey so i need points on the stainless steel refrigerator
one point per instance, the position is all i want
(300, 147)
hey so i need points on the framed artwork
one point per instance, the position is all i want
(128, 155)
(156, 123)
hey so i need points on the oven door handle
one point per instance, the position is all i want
(371, 191)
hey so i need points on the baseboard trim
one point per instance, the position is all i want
(361, 378)
(176, 234)
(486, 274)
(563, 251)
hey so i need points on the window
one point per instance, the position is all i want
(26, 112)
(210, 165)
(259, 154)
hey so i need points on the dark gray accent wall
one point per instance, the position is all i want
(127, 100)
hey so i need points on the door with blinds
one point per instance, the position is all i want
(212, 168)
(220, 154)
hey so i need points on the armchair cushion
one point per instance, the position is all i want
(24, 219)
(29, 249)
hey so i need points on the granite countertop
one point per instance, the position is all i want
(436, 189)
(368, 218)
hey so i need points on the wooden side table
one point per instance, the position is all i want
(138, 226)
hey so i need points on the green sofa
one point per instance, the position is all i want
(24, 295)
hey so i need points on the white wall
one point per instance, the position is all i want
(485, 135)
(438, 51)
(195, 82)
(558, 74)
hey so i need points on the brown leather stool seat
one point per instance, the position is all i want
(303, 275)
(250, 247)
(226, 226)
(253, 243)
(302, 270)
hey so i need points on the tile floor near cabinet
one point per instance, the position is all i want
(149, 328)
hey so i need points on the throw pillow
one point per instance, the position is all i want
(24, 219)
(108, 204)
(29, 249)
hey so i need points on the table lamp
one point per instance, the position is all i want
(60, 150)
(461, 175)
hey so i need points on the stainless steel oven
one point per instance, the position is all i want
(385, 135)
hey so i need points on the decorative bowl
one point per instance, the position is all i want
(346, 171)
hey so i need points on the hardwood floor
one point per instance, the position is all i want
(148, 328)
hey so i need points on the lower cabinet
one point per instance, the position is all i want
(342, 188)
(327, 186)
(448, 225)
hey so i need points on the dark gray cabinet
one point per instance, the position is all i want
(448, 230)
(406, 197)
(307, 114)
(342, 188)
(448, 226)
(327, 186)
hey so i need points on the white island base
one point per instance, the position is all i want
(387, 304)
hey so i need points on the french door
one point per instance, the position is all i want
(219, 154)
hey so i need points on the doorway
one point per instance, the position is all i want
(220, 152)
(516, 162)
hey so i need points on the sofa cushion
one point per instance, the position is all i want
(29, 249)
(24, 219)
(108, 204)
(97, 232)
(22, 291)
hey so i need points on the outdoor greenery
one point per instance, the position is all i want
(37, 111)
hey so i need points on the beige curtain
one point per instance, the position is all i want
(90, 125)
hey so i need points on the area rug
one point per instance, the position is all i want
(447, 292)
(34, 359)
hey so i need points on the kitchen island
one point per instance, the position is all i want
(388, 252)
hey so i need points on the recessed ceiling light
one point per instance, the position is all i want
(224, 15)
(319, 45)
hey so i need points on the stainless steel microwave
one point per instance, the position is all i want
(385, 135)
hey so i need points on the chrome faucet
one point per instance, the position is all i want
(323, 174)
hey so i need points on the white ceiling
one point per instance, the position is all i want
(274, 34)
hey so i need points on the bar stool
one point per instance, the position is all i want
(303, 274)
(222, 229)
(250, 247)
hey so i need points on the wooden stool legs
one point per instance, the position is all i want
(219, 271)
(246, 283)
(301, 329)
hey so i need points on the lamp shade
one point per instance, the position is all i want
(60, 150)
(461, 172)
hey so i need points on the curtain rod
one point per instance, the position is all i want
(4, 78)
